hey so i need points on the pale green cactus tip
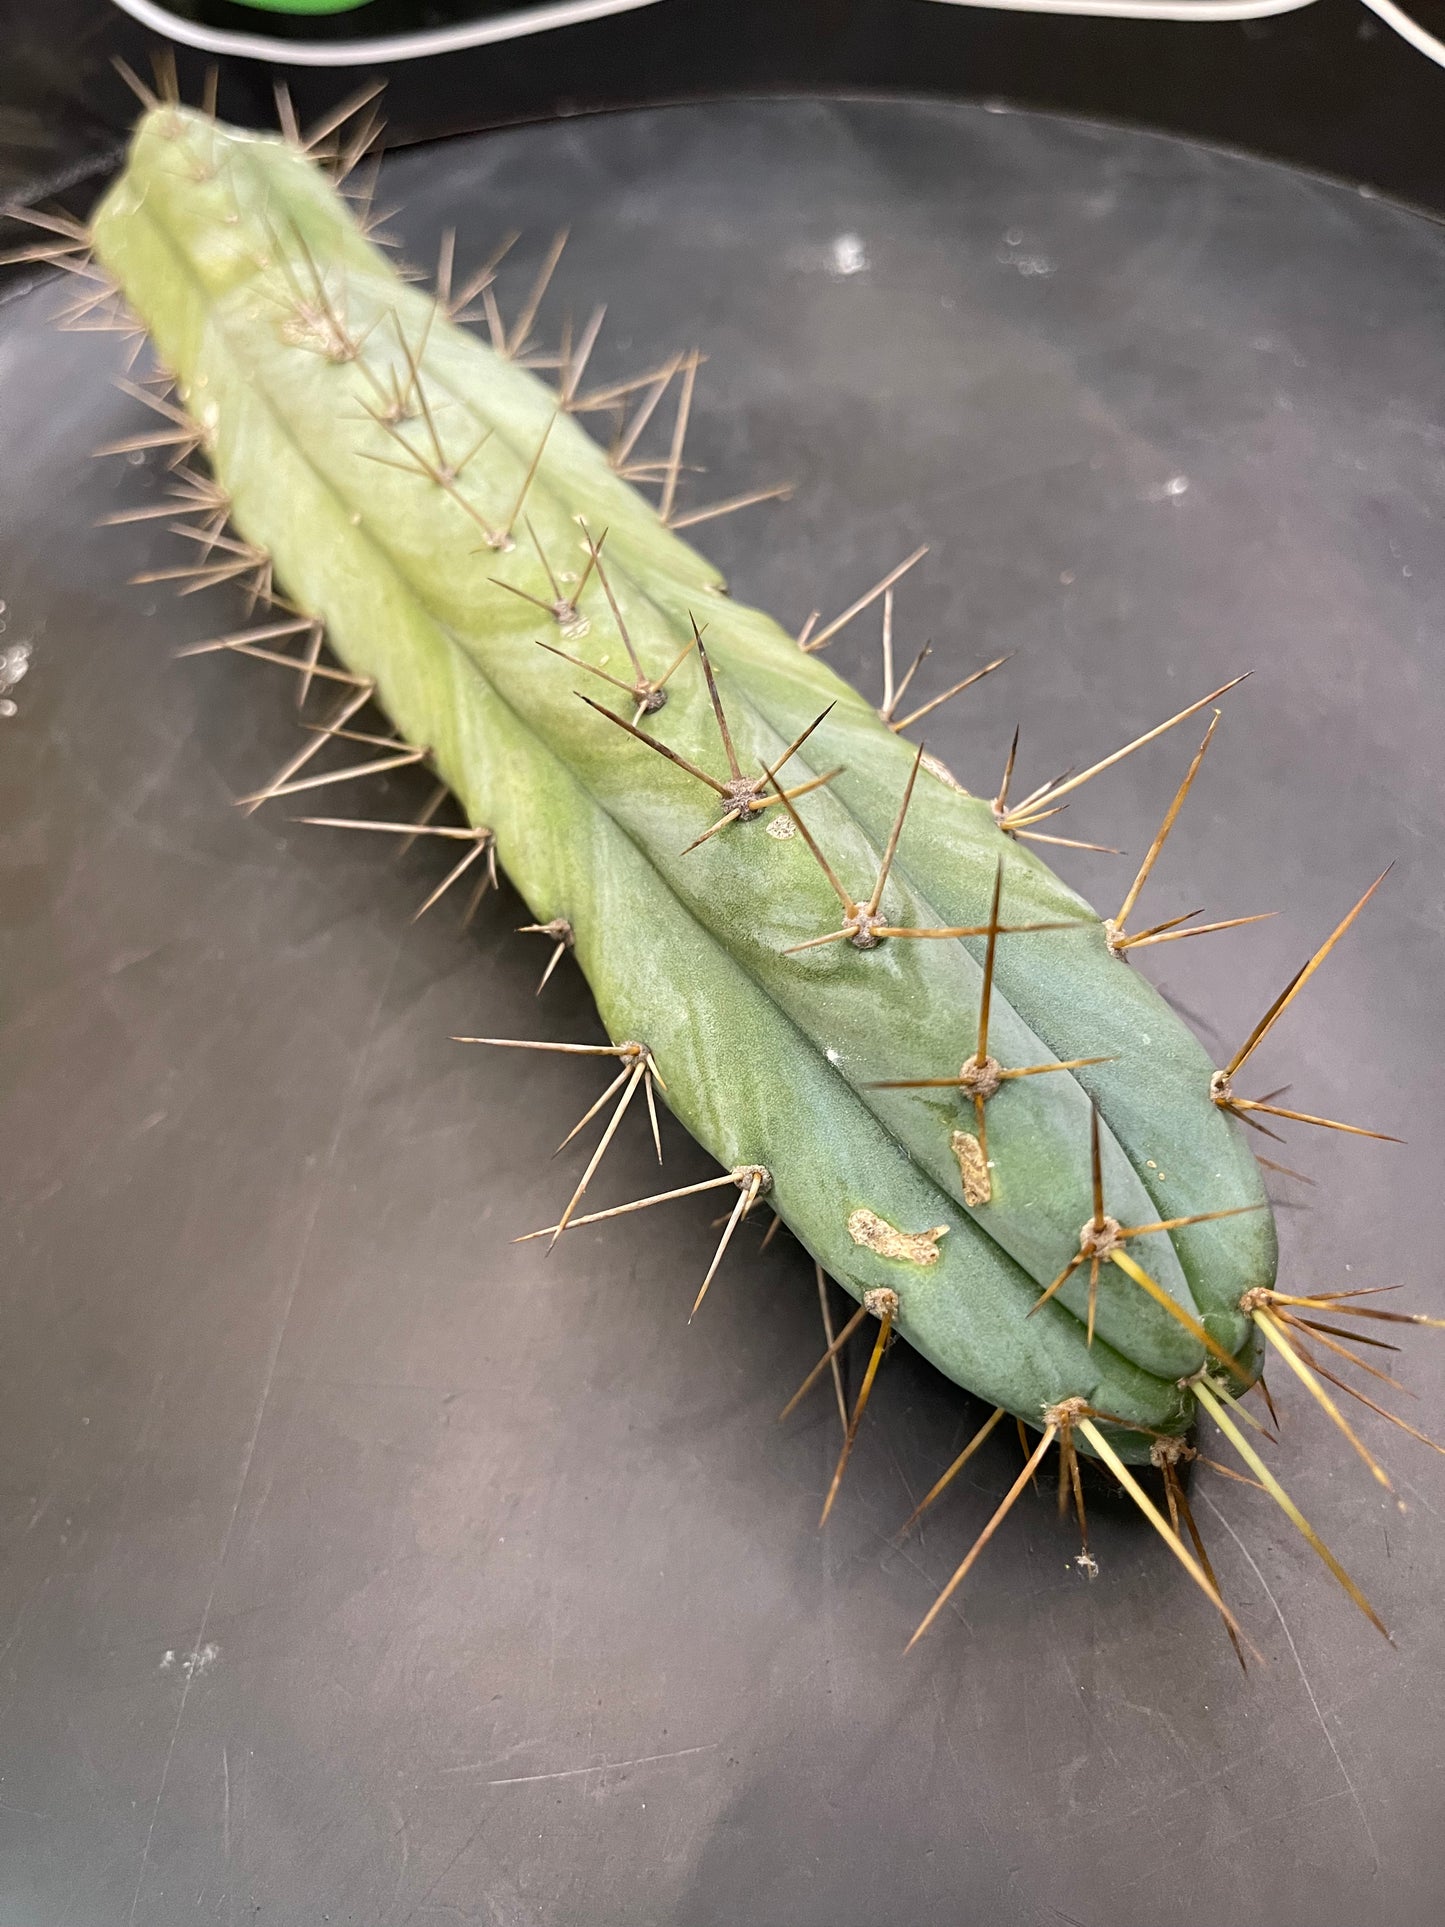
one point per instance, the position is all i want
(1071, 1223)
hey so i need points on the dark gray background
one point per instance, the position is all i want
(359, 1566)
(1327, 86)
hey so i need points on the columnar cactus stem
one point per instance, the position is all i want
(1071, 1222)
(440, 512)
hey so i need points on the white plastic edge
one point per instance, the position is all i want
(1208, 12)
(1402, 24)
(1197, 12)
(377, 52)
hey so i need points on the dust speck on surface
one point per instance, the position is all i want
(192, 1664)
(849, 256)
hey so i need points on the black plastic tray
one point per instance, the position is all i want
(362, 1566)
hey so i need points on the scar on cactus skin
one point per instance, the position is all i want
(973, 1168)
(913, 1247)
(403, 400)
(981, 1076)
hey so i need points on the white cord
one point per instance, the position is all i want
(566, 13)
(1206, 12)
(1194, 10)
(375, 52)
(1402, 24)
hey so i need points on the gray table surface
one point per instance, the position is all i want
(359, 1566)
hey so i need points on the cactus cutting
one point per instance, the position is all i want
(845, 968)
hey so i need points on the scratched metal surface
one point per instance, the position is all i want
(359, 1566)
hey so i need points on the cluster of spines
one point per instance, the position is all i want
(197, 510)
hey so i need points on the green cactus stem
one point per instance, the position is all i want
(789, 916)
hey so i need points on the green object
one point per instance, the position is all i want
(304, 6)
(304, 359)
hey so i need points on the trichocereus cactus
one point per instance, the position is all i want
(852, 980)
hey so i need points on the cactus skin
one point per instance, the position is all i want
(768, 1058)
